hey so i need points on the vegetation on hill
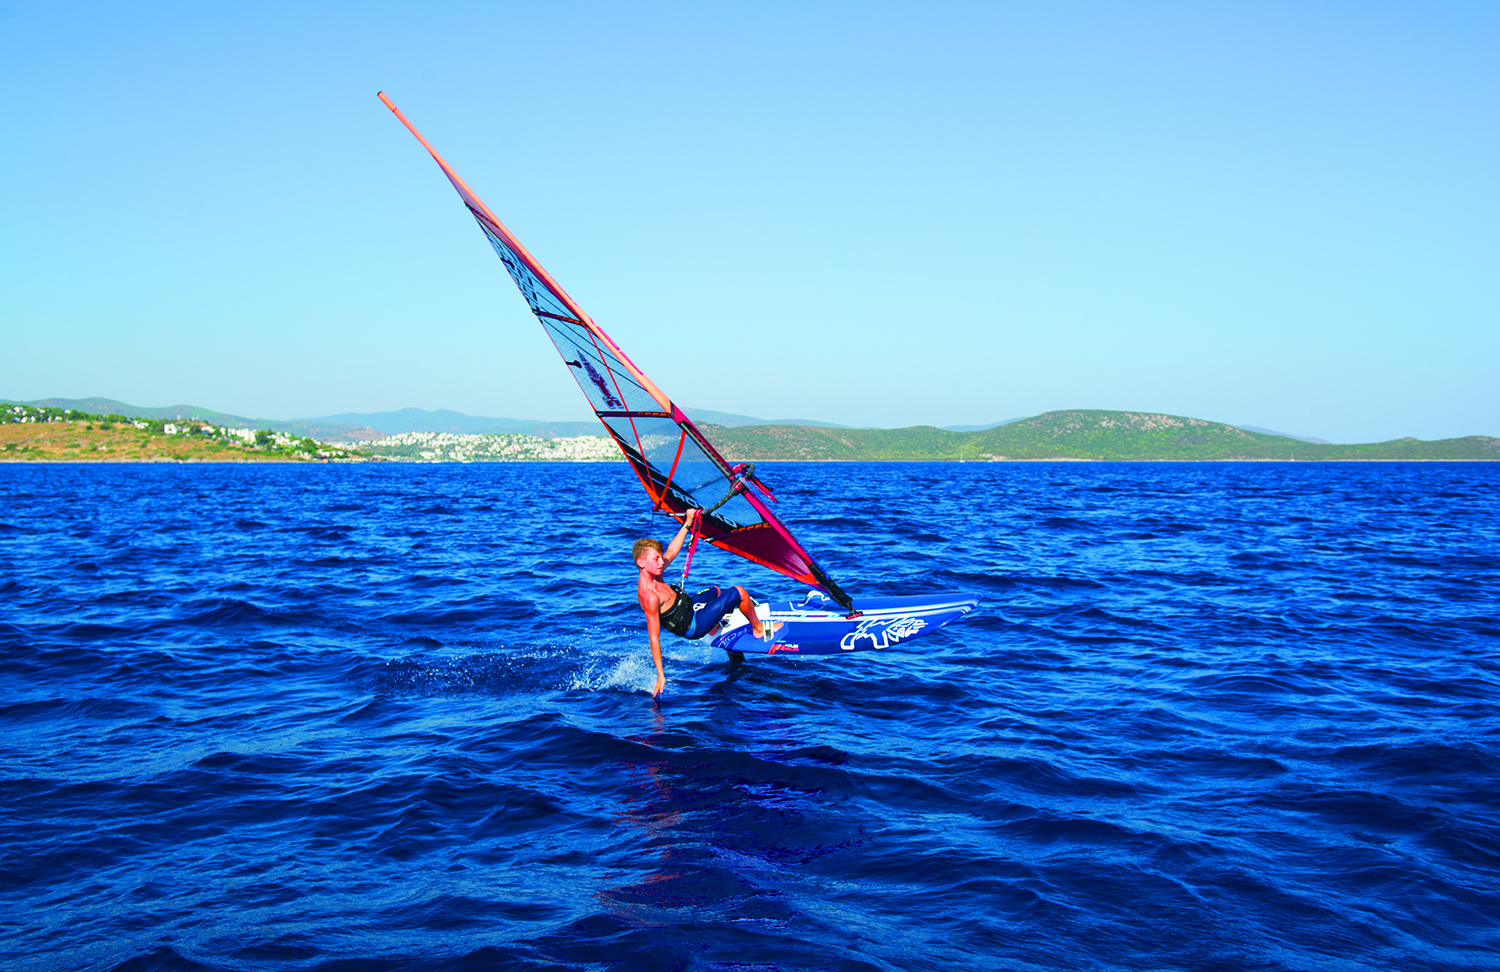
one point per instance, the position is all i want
(1086, 434)
(29, 433)
(321, 430)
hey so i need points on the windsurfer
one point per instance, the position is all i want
(688, 615)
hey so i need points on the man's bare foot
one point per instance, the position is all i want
(759, 630)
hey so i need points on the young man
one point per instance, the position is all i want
(666, 606)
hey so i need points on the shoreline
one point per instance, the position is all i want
(596, 462)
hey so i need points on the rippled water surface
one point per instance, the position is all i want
(1210, 716)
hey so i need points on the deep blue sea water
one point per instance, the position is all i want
(1208, 717)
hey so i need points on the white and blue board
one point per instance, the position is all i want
(818, 626)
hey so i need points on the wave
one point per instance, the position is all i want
(1206, 717)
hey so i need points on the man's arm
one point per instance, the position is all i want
(653, 631)
(676, 544)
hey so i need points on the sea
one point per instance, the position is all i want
(1208, 716)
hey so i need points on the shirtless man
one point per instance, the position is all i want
(666, 606)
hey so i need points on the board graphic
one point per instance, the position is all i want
(819, 626)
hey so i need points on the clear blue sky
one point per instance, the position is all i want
(1276, 214)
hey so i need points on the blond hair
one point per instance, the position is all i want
(644, 544)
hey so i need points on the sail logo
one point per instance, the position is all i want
(881, 632)
(598, 379)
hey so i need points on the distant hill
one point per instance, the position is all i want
(980, 428)
(1284, 435)
(1247, 428)
(731, 421)
(1088, 434)
(320, 429)
(444, 420)
(346, 427)
(365, 426)
(1070, 434)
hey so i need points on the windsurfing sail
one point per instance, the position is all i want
(676, 464)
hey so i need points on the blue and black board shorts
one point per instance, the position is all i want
(710, 605)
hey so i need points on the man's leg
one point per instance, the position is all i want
(747, 608)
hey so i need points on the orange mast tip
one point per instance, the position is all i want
(477, 206)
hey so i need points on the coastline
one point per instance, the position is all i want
(277, 460)
(34, 434)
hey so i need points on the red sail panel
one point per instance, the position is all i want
(676, 464)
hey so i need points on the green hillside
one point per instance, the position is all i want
(319, 429)
(1076, 434)
(32, 434)
(811, 443)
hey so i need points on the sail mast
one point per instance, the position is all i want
(675, 462)
(535, 267)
